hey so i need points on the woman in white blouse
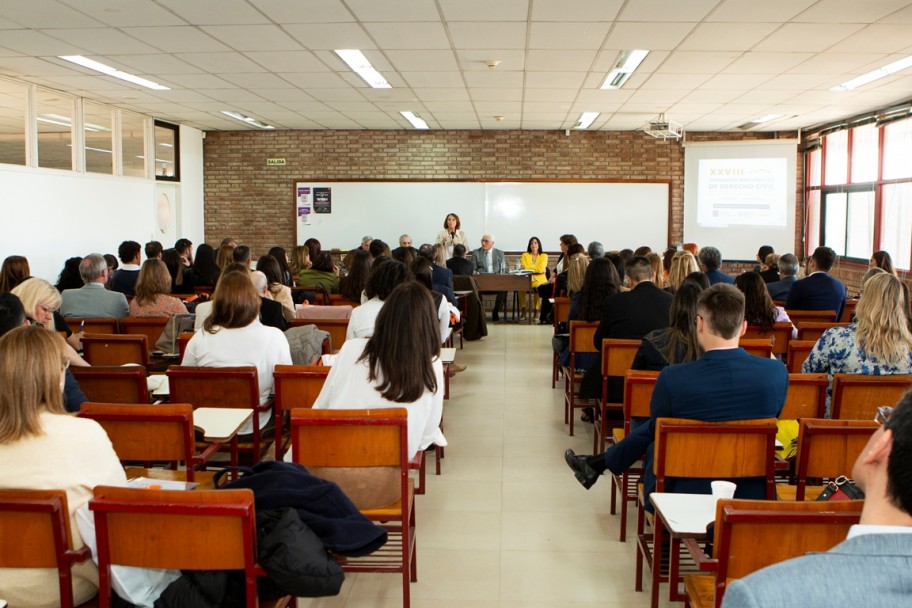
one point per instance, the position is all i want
(451, 234)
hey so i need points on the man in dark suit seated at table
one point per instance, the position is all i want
(459, 264)
(818, 290)
(870, 567)
(788, 273)
(725, 384)
(487, 260)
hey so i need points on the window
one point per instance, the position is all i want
(13, 103)
(837, 157)
(99, 138)
(55, 130)
(167, 155)
(898, 149)
(133, 148)
(896, 224)
(864, 154)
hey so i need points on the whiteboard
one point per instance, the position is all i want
(618, 214)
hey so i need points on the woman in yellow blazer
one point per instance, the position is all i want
(536, 261)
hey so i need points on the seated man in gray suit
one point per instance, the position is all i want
(488, 260)
(871, 567)
(788, 273)
(92, 299)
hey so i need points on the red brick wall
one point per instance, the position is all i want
(253, 203)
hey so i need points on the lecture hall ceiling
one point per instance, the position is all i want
(713, 64)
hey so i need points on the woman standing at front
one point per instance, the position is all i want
(451, 234)
(536, 261)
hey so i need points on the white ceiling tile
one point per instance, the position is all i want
(278, 95)
(726, 36)
(498, 108)
(44, 14)
(649, 36)
(394, 10)
(257, 81)
(807, 37)
(736, 82)
(546, 108)
(763, 94)
(477, 60)
(512, 94)
(797, 81)
(331, 36)
(155, 63)
(288, 61)
(557, 119)
(354, 106)
(849, 11)
(31, 66)
(598, 95)
(31, 42)
(660, 97)
(305, 106)
(433, 79)
(714, 95)
(330, 95)
(575, 10)
(449, 107)
(460, 116)
(558, 61)
(261, 108)
(196, 81)
(181, 39)
(399, 35)
(903, 15)
(555, 80)
(675, 81)
(182, 96)
(103, 41)
(494, 80)
(765, 63)
(548, 95)
(751, 11)
(837, 63)
(220, 63)
(697, 62)
(485, 10)
(418, 61)
(381, 96)
(891, 38)
(124, 13)
(667, 10)
(228, 95)
(563, 35)
(292, 11)
(442, 95)
(253, 37)
(215, 12)
(65, 83)
(481, 35)
(595, 106)
(685, 107)
(6, 24)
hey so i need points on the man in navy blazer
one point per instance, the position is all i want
(788, 271)
(818, 290)
(870, 567)
(710, 261)
(726, 383)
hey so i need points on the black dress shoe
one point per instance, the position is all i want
(585, 474)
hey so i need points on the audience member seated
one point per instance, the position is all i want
(153, 291)
(726, 383)
(322, 272)
(869, 568)
(881, 259)
(112, 268)
(878, 343)
(153, 249)
(421, 271)
(759, 309)
(352, 285)
(788, 274)
(678, 342)
(124, 279)
(41, 302)
(234, 336)
(272, 314)
(655, 260)
(698, 278)
(588, 304)
(459, 264)
(379, 248)
(406, 241)
(818, 290)
(242, 254)
(300, 261)
(576, 268)
(682, 264)
(555, 288)
(282, 258)
(43, 447)
(92, 299)
(229, 242)
(69, 277)
(15, 270)
(441, 276)
(278, 291)
(767, 267)
(711, 261)
(204, 265)
(183, 278)
(184, 248)
(406, 255)
(224, 256)
(385, 275)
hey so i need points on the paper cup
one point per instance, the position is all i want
(723, 489)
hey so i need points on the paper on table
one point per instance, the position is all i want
(327, 360)
(162, 484)
(158, 384)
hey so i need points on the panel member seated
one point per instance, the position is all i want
(487, 260)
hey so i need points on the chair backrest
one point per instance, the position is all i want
(812, 330)
(296, 386)
(352, 438)
(758, 347)
(828, 448)
(800, 317)
(582, 337)
(806, 396)
(617, 358)
(214, 386)
(336, 328)
(91, 325)
(35, 533)
(183, 339)
(113, 384)
(781, 334)
(336, 299)
(638, 387)
(848, 311)
(798, 354)
(857, 397)
(753, 534)
(147, 432)
(560, 312)
(715, 450)
(150, 327)
(109, 349)
(199, 530)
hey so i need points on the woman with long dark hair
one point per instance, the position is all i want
(282, 258)
(69, 277)
(15, 270)
(205, 266)
(600, 282)
(280, 292)
(352, 284)
(676, 343)
(759, 309)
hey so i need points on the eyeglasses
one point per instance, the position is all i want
(486, 241)
(882, 417)
(48, 309)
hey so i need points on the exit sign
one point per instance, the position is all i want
(275, 162)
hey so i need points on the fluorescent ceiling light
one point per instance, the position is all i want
(417, 122)
(627, 63)
(247, 120)
(586, 119)
(109, 71)
(53, 122)
(890, 68)
(356, 60)
(766, 118)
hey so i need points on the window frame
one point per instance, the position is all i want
(176, 130)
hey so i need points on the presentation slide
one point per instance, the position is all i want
(742, 191)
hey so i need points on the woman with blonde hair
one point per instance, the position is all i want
(153, 289)
(224, 256)
(655, 260)
(878, 343)
(41, 446)
(300, 260)
(41, 301)
(682, 264)
(576, 270)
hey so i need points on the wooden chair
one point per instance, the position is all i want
(203, 530)
(113, 384)
(560, 312)
(35, 533)
(780, 333)
(794, 529)
(638, 386)
(204, 290)
(617, 358)
(800, 317)
(712, 450)
(797, 354)
(806, 397)
(827, 449)
(366, 438)
(153, 433)
(849, 311)
(182, 340)
(296, 386)
(758, 347)
(107, 349)
(92, 325)
(336, 328)
(235, 387)
(857, 397)
(582, 339)
(150, 327)
(812, 330)
(336, 299)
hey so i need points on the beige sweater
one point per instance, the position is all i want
(75, 455)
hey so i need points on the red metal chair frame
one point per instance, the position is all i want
(560, 312)
(295, 386)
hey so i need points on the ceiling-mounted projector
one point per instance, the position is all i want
(661, 128)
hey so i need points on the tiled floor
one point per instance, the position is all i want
(507, 525)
